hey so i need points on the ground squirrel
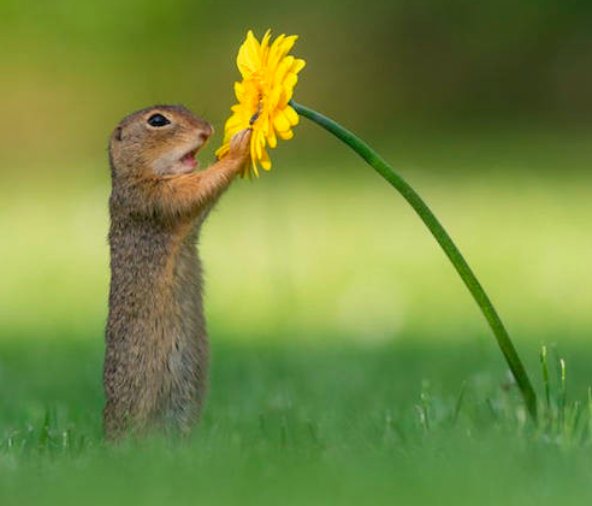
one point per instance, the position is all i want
(156, 359)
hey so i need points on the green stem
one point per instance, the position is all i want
(445, 242)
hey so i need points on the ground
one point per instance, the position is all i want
(293, 425)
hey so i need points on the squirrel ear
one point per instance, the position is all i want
(117, 133)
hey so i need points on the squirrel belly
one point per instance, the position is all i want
(157, 350)
(156, 357)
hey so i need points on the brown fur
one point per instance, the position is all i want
(156, 359)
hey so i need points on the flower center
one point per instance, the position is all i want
(258, 109)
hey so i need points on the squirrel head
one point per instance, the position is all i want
(158, 140)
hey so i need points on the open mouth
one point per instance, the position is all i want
(188, 160)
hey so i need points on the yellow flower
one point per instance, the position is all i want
(269, 75)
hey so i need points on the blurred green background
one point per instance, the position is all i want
(485, 107)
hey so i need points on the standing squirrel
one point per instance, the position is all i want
(156, 360)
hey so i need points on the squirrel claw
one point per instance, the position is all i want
(240, 144)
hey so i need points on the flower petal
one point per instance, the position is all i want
(298, 65)
(281, 122)
(249, 56)
(253, 159)
(287, 135)
(292, 115)
(271, 138)
(265, 161)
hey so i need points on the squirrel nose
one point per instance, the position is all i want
(207, 132)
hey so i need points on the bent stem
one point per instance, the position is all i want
(445, 242)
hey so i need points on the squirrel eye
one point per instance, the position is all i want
(158, 120)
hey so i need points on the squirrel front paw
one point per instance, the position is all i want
(240, 146)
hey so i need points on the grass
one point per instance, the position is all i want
(296, 424)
